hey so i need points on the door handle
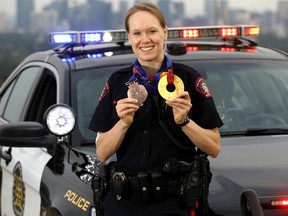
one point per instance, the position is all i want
(6, 155)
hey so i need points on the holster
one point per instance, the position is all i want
(189, 187)
(100, 186)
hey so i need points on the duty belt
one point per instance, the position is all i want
(178, 178)
(146, 186)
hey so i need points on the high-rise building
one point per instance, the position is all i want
(180, 10)
(44, 22)
(282, 18)
(282, 11)
(167, 6)
(23, 13)
(216, 12)
(3, 21)
(224, 12)
(210, 11)
(99, 15)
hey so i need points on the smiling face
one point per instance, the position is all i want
(147, 38)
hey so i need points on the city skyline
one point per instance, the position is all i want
(61, 15)
(193, 7)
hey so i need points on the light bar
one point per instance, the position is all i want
(213, 32)
(108, 36)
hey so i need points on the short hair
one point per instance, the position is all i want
(149, 7)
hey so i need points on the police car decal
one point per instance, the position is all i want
(77, 200)
(18, 190)
(22, 176)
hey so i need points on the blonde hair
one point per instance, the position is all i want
(149, 7)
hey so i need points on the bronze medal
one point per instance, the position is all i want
(177, 88)
(137, 91)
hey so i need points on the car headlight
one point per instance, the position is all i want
(60, 119)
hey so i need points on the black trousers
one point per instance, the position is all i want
(130, 207)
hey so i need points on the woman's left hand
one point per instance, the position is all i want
(181, 106)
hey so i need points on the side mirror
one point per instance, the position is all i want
(26, 134)
(59, 120)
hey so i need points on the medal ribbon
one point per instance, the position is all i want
(170, 76)
(151, 82)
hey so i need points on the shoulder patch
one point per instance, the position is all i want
(105, 91)
(202, 87)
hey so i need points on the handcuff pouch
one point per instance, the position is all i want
(143, 184)
(119, 184)
(158, 186)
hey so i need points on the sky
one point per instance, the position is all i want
(193, 7)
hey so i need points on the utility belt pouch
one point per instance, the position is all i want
(143, 184)
(157, 185)
(189, 187)
(119, 184)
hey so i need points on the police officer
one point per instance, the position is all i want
(139, 132)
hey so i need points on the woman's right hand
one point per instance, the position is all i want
(126, 109)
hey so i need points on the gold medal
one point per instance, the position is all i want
(164, 89)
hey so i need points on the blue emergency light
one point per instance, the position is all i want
(64, 37)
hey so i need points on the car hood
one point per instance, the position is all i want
(248, 162)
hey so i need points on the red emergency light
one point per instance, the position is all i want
(191, 33)
(252, 31)
(279, 203)
(229, 32)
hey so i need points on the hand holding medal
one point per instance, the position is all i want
(170, 85)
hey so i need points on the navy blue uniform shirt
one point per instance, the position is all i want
(146, 146)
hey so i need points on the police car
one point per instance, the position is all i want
(47, 152)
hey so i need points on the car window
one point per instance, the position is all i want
(17, 100)
(44, 97)
(248, 93)
(5, 97)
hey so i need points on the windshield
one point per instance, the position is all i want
(248, 94)
(87, 86)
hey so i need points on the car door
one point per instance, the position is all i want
(26, 98)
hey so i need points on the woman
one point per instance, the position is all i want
(143, 133)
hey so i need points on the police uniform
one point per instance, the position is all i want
(146, 146)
